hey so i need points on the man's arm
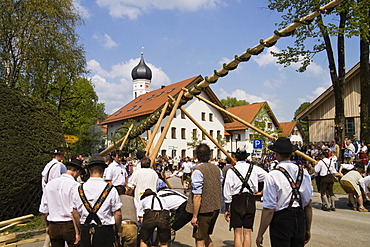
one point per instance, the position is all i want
(76, 224)
(196, 207)
(266, 218)
(118, 221)
(308, 212)
(46, 222)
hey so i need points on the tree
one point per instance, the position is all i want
(233, 101)
(195, 140)
(303, 124)
(132, 145)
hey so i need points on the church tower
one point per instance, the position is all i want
(141, 76)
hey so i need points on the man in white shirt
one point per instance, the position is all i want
(54, 169)
(57, 206)
(98, 208)
(325, 168)
(143, 179)
(186, 168)
(240, 188)
(365, 184)
(116, 173)
(287, 200)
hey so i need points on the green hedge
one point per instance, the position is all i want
(29, 130)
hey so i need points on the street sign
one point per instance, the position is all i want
(257, 143)
(70, 138)
(257, 153)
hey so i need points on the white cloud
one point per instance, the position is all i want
(267, 58)
(81, 9)
(132, 9)
(271, 84)
(114, 86)
(106, 41)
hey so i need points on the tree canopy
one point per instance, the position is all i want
(233, 101)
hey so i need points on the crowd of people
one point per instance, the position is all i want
(127, 201)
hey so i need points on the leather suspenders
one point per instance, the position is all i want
(93, 210)
(244, 180)
(296, 196)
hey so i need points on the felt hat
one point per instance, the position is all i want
(77, 164)
(148, 192)
(241, 153)
(58, 151)
(140, 154)
(97, 160)
(283, 145)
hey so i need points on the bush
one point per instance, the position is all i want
(30, 130)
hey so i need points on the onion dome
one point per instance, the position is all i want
(141, 71)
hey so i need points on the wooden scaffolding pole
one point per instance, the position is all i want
(143, 141)
(252, 127)
(205, 132)
(153, 155)
(126, 137)
(152, 135)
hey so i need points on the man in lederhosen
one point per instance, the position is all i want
(287, 200)
(240, 188)
(99, 208)
(57, 204)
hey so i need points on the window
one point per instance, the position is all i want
(211, 133)
(195, 133)
(269, 125)
(227, 138)
(138, 100)
(137, 108)
(203, 136)
(295, 132)
(251, 136)
(218, 134)
(211, 117)
(173, 133)
(162, 128)
(183, 153)
(171, 90)
(163, 152)
(349, 126)
(159, 94)
(203, 116)
(132, 107)
(183, 133)
(182, 115)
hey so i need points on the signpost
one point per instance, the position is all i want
(70, 138)
(257, 147)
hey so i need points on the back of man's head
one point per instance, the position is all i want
(145, 162)
(203, 152)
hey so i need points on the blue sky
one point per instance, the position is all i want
(186, 38)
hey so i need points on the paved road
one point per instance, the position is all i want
(342, 228)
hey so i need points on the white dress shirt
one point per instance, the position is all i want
(322, 169)
(93, 188)
(365, 184)
(146, 203)
(116, 173)
(174, 200)
(233, 184)
(187, 166)
(277, 191)
(53, 169)
(57, 199)
(142, 179)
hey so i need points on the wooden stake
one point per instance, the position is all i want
(26, 241)
(142, 141)
(152, 135)
(126, 136)
(252, 127)
(205, 132)
(18, 219)
(111, 147)
(154, 154)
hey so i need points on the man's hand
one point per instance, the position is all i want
(307, 237)
(227, 216)
(194, 221)
(259, 241)
(78, 238)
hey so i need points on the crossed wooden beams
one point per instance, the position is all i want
(153, 152)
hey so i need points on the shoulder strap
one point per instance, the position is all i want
(93, 210)
(47, 174)
(171, 193)
(327, 166)
(160, 203)
(244, 180)
(296, 196)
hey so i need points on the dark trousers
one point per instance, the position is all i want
(97, 236)
(288, 228)
(61, 232)
(181, 217)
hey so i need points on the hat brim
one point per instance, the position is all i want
(280, 150)
(98, 164)
(76, 166)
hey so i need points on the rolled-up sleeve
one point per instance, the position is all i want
(269, 193)
(197, 182)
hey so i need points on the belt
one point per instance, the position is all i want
(60, 222)
(128, 222)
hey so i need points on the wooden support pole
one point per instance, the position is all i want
(18, 219)
(126, 137)
(205, 132)
(152, 135)
(252, 127)
(111, 147)
(142, 141)
(153, 155)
